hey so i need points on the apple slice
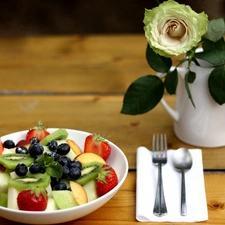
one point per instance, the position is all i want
(51, 206)
(79, 193)
(64, 199)
(88, 157)
(90, 189)
(12, 198)
(74, 147)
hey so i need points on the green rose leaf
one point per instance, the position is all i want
(191, 77)
(143, 95)
(157, 62)
(208, 45)
(215, 57)
(216, 30)
(171, 81)
(186, 79)
(216, 84)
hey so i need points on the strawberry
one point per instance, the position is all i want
(39, 132)
(32, 200)
(2, 168)
(107, 179)
(23, 143)
(96, 144)
(1, 147)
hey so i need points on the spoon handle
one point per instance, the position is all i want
(183, 195)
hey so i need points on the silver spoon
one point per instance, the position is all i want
(182, 161)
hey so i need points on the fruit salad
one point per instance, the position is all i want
(47, 171)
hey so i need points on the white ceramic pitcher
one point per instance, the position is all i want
(204, 125)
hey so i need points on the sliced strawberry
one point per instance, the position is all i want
(2, 168)
(96, 144)
(39, 132)
(32, 200)
(1, 147)
(23, 143)
(107, 179)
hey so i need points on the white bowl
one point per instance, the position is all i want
(117, 160)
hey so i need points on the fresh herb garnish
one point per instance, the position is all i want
(52, 168)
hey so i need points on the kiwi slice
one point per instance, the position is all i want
(31, 181)
(56, 135)
(89, 172)
(11, 160)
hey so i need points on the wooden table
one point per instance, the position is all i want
(78, 82)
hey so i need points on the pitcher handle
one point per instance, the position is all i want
(172, 112)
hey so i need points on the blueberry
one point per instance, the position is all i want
(36, 168)
(66, 172)
(76, 164)
(21, 169)
(36, 150)
(60, 186)
(34, 140)
(64, 161)
(9, 144)
(54, 155)
(21, 150)
(54, 181)
(63, 149)
(75, 173)
(52, 145)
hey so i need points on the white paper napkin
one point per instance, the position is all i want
(146, 187)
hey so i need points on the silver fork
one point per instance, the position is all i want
(159, 157)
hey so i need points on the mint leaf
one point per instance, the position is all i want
(216, 84)
(52, 167)
(171, 81)
(45, 160)
(157, 62)
(143, 95)
(54, 170)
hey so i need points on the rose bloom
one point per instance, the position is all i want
(172, 29)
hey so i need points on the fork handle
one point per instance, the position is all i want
(160, 204)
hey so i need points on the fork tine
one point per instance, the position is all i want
(159, 142)
(155, 142)
(163, 142)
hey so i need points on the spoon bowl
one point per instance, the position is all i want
(182, 161)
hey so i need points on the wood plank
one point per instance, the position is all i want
(99, 114)
(96, 63)
(121, 208)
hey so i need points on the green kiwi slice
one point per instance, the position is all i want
(31, 181)
(89, 172)
(11, 160)
(59, 134)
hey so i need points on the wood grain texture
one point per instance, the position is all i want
(99, 114)
(72, 63)
(121, 208)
